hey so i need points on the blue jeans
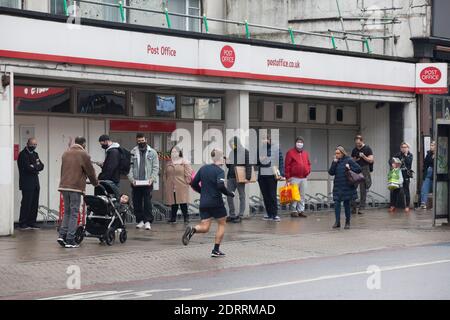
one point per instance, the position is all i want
(426, 186)
(337, 210)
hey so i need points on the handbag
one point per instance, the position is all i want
(354, 178)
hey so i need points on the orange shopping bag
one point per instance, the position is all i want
(289, 194)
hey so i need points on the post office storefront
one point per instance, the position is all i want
(107, 80)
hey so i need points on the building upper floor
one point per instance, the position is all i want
(374, 26)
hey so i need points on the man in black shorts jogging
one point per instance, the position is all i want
(212, 179)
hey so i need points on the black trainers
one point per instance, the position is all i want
(71, 245)
(347, 225)
(236, 220)
(188, 233)
(62, 242)
(34, 227)
(336, 225)
(230, 218)
(217, 254)
(23, 227)
(171, 221)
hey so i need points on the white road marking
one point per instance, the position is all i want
(289, 283)
(113, 295)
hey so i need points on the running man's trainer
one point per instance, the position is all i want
(210, 183)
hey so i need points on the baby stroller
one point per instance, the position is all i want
(103, 218)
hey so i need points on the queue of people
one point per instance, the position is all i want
(143, 173)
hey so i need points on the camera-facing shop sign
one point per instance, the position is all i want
(431, 78)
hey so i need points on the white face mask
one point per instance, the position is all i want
(299, 145)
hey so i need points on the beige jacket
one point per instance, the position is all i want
(177, 180)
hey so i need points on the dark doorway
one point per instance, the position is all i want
(396, 127)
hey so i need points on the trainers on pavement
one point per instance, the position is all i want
(217, 254)
(277, 219)
(302, 215)
(140, 225)
(267, 218)
(148, 226)
(61, 242)
(34, 227)
(71, 244)
(236, 220)
(187, 235)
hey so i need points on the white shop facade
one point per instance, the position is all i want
(94, 78)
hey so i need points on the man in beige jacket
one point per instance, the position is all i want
(76, 166)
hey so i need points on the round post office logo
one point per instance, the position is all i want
(430, 75)
(227, 56)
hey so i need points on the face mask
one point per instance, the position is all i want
(299, 145)
(105, 146)
(142, 145)
(31, 148)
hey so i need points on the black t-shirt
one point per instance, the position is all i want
(209, 175)
(367, 152)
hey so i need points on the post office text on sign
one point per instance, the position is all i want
(163, 51)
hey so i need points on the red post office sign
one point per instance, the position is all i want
(431, 78)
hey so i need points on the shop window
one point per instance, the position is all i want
(312, 113)
(165, 106)
(41, 99)
(201, 108)
(279, 111)
(11, 3)
(254, 111)
(57, 7)
(191, 7)
(101, 102)
(316, 144)
(339, 115)
(146, 104)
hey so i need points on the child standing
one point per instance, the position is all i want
(395, 183)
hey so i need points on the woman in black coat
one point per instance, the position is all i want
(406, 159)
(342, 190)
(428, 175)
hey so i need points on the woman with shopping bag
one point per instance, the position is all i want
(343, 190)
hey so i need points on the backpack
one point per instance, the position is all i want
(125, 161)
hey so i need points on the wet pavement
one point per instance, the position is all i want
(33, 265)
